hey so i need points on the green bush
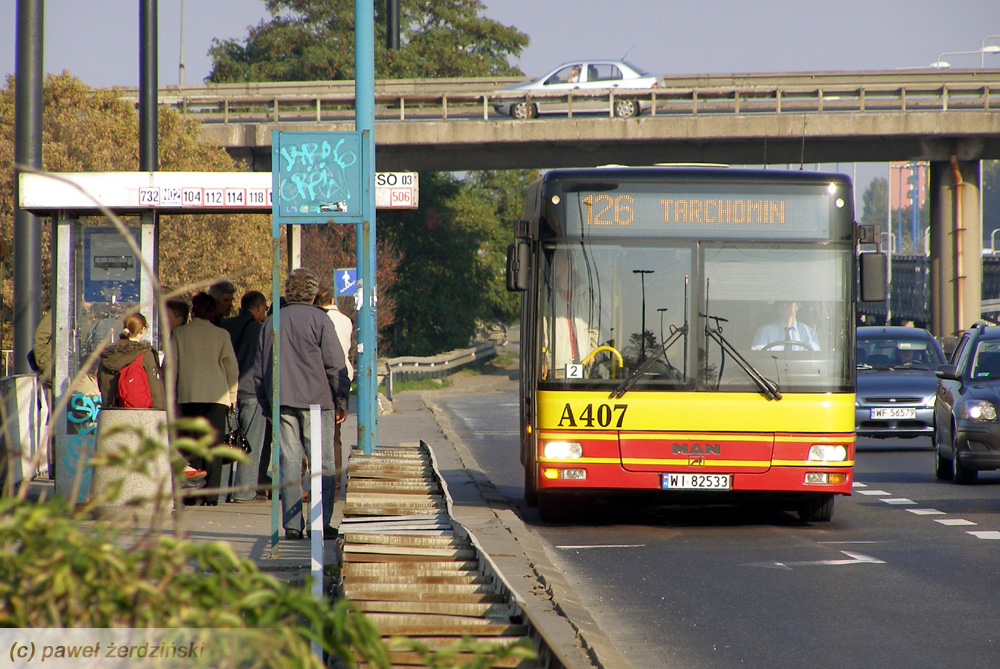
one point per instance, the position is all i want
(59, 569)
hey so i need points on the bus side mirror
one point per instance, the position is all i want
(517, 266)
(874, 276)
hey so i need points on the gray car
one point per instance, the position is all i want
(896, 383)
(551, 93)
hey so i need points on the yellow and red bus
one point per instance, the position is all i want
(689, 333)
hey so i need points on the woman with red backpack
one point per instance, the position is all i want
(129, 374)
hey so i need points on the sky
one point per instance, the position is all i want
(98, 40)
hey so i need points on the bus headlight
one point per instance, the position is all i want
(827, 453)
(980, 411)
(562, 450)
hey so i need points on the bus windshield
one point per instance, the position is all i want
(592, 325)
(782, 310)
(693, 316)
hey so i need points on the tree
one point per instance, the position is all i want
(328, 247)
(309, 40)
(454, 248)
(875, 208)
(88, 130)
(503, 193)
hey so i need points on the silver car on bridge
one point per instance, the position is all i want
(569, 84)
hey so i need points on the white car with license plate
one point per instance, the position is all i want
(577, 84)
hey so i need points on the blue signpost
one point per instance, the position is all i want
(320, 177)
(316, 178)
(364, 123)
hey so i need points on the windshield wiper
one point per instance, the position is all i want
(767, 386)
(675, 334)
(625, 385)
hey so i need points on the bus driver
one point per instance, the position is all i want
(786, 329)
(566, 337)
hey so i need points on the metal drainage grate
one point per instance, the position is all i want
(405, 566)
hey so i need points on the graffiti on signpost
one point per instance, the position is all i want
(318, 175)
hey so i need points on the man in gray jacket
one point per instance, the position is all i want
(313, 371)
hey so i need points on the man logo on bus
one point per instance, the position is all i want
(697, 449)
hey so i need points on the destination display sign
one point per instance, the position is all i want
(666, 210)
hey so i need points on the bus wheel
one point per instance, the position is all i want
(817, 509)
(530, 482)
(556, 508)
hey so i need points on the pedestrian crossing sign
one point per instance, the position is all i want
(345, 281)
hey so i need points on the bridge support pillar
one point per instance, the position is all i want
(955, 246)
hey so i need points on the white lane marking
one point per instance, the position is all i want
(859, 485)
(990, 534)
(851, 542)
(951, 522)
(573, 548)
(853, 558)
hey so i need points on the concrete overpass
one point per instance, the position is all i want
(950, 118)
(785, 118)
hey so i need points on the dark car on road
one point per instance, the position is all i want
(896, 383)
(966, 429)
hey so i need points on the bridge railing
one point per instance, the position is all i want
(289, 102)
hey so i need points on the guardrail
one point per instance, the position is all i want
(409, 368)
(470, 99)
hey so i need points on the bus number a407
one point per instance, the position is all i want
(593, 415)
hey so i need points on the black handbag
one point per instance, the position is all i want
(234, 437)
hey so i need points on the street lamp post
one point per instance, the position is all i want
(180, 66)
(982, 49)
(891, 238)
(940, 63)
(642, 335)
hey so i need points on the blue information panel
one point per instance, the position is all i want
(111, 271)
(345, 281)
(317, 177)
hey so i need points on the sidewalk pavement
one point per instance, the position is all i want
(515, 552)
(247, 526)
